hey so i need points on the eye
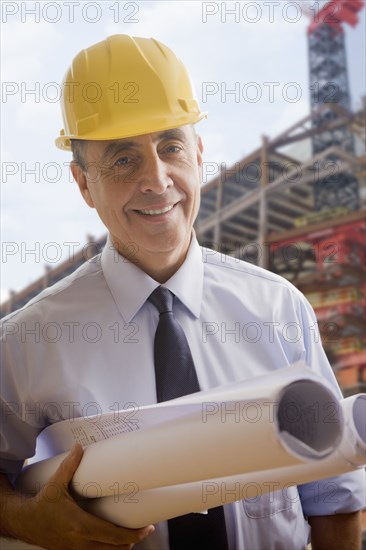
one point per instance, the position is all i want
(173, 149)
(122, 161)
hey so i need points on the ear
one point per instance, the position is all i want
(81, 179)
(199, 151)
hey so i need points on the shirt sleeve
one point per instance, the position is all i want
(20, 422)
(334, 495)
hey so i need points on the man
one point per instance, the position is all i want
(137, 161)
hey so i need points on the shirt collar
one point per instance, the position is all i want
(130, 286)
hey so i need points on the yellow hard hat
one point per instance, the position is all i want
(125, 86)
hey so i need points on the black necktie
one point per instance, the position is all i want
(176, 376)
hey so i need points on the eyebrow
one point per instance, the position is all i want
(124, 144)
(173, 133)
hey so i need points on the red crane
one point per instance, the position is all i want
(336, 12)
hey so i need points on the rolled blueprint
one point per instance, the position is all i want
(135, 509)
(286, 418)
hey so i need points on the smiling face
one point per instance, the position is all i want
(146, 190)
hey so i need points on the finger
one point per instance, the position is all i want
(99, 546)
(103, 531)
(68, 466)
(87, 527)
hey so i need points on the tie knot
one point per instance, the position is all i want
(162, 299)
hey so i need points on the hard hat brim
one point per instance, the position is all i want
(64, 142)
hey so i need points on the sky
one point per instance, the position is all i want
(248, 61)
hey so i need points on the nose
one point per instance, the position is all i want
(154, 176)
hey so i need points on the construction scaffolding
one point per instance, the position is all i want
(270, 191)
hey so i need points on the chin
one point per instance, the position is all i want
(166, 243)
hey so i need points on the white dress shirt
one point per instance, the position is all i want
(85, 346)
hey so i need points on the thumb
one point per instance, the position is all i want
(68, 466)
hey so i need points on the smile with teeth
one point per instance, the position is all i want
(156, 212)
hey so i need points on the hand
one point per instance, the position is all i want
(338, 532)
(53, 520)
